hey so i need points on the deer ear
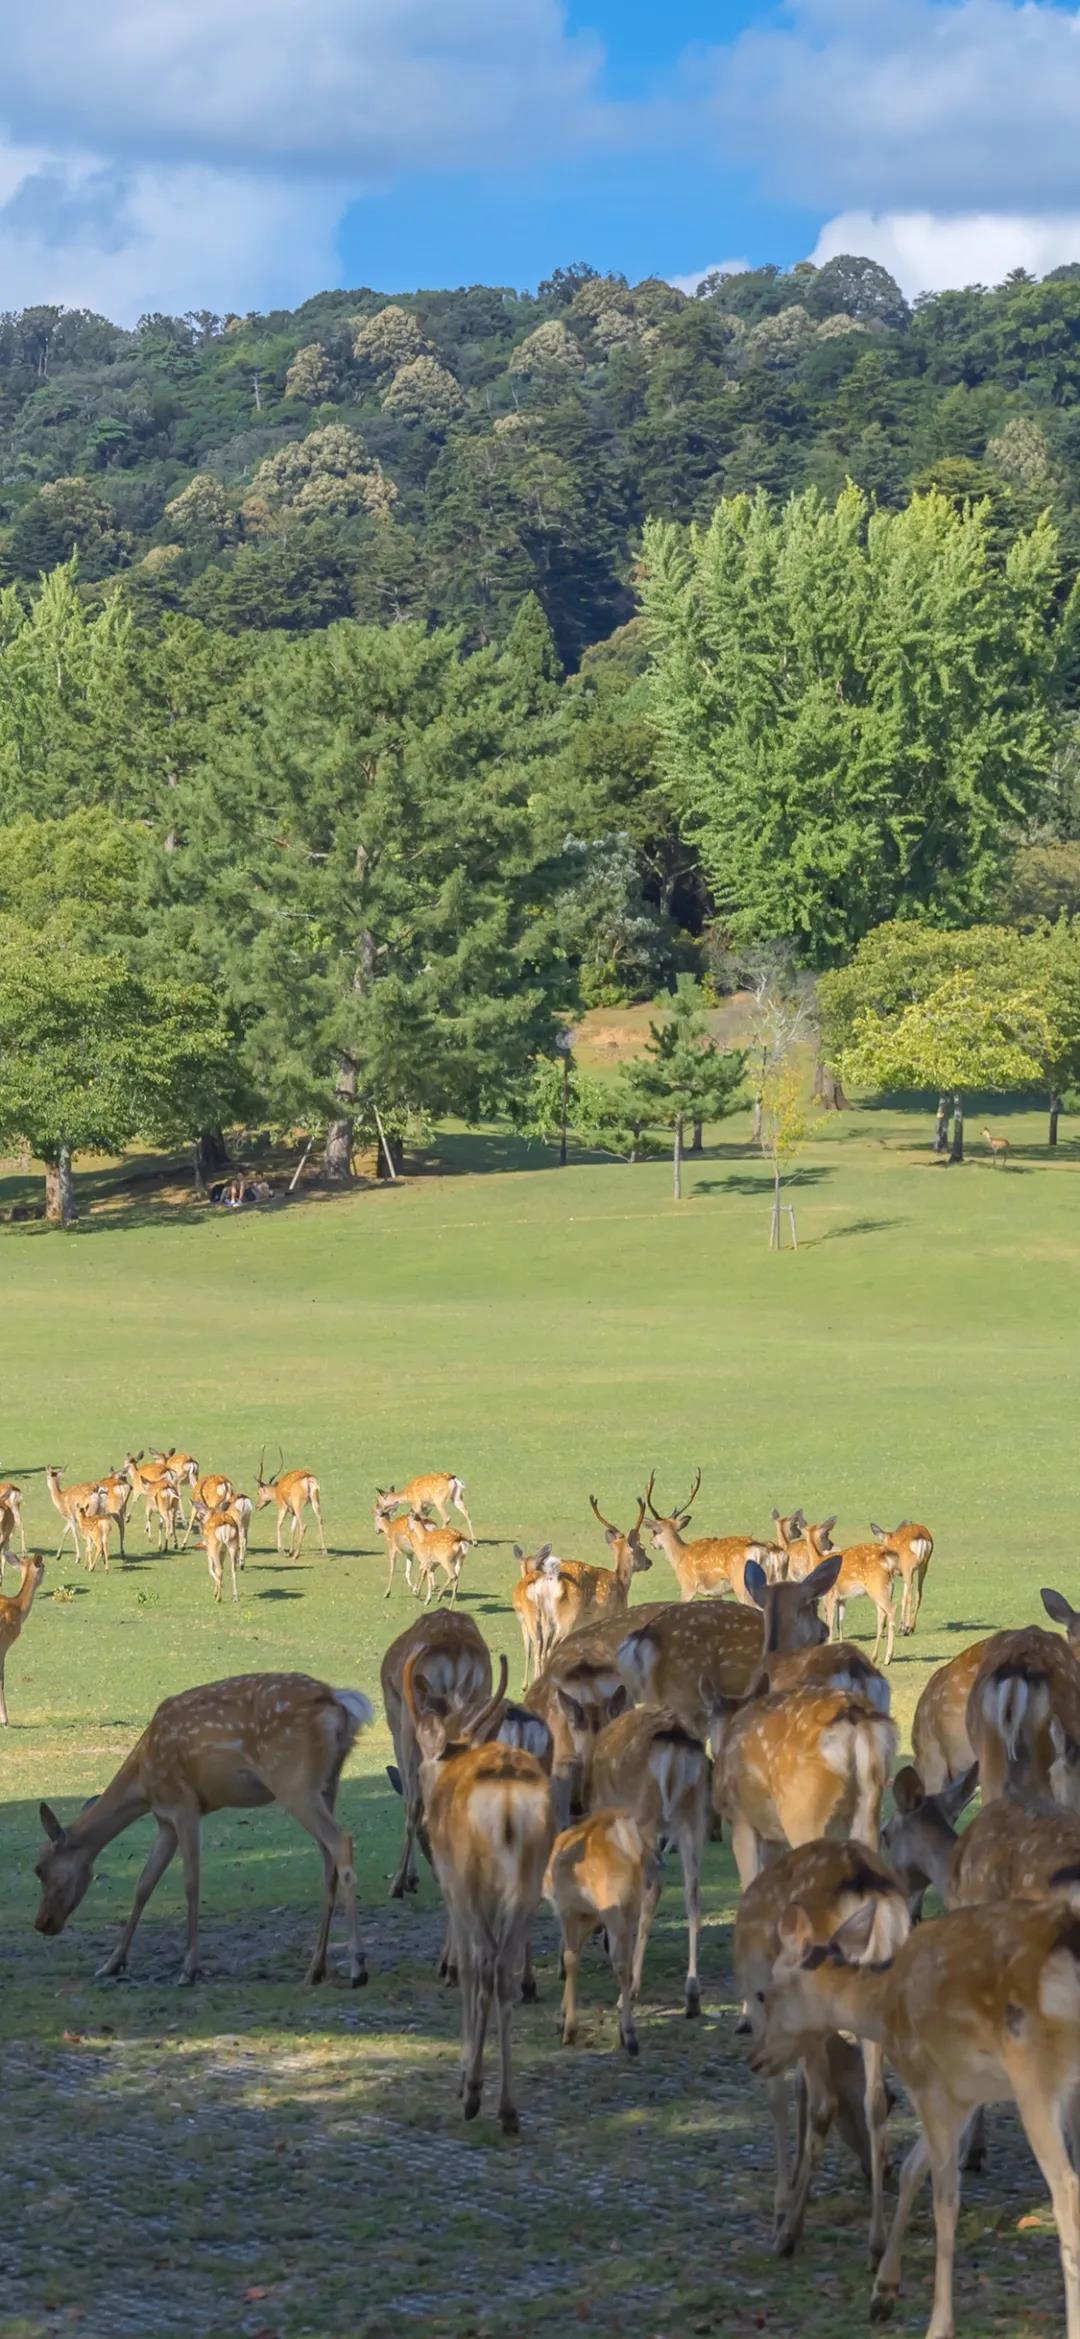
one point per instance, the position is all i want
(953, 1799)
(518, 1553)
(431, 1734)
(907, 1790)
(574, 1712)
(617, 1702)
(685, 1520)
(821, 1579)
(756, 1581)
(796, 1934)
(1057, 1606)
(611, 1534)
(50, 1823)
(851, 1940)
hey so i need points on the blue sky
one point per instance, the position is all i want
(245, 153)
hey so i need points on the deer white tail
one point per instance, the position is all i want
(636, 1658)
(359, 1709)
(1009, 1702)
(678, 1762)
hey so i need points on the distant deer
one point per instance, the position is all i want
(293, 1491)
(225, 1746)
(11, 1499)
(14, 1610)
(711, 1564)
(395, 1531)
(804, 1546)
(914, 1548)
(69, 1501)
(437, 1490)
(438, 1547)
(999, 1148)
(866, 1568)
(96, 1528)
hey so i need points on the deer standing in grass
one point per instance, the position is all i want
(939, 1737)
(691, 1659)
(163, 1511)
(294, 1491)
(219, 1533)
(982, 2006)
(830, 1882)
(14, 1610)
(438, 1547)
(913, 1545)
(183, 1467)
(96, 1529)
(1024, 1708)
(712, 1564)
(438, 1490)
(452, 1675)
(865, 1569)
(604, 1873)
(394, 1530)
(227, 1745)
(531, 1603)
(143, 1477)
(115, 1488)
(646, 1763)
(488, 1813)
(999, 1149)
(578, 1593)
(11, 1499)
(70, 1501)
(212, 1492)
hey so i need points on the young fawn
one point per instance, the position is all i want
(604, 1872)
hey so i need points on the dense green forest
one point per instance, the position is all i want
(381, 682)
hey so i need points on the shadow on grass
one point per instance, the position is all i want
(855, 1226)
(759, 1186)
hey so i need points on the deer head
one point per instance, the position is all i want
(64, 1871)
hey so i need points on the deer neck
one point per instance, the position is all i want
(24, 1597)
(124, 1800)
(851, 1997)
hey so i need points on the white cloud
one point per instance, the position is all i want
(715, 268)
(930, 254)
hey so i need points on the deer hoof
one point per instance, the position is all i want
(529, 1992)
(358, 1979)
(631, 2044)
(693, 2000)
(509, 2120)
(882, 2305)
(472, 2101)
(185, 1980)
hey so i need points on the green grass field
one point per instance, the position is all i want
(248, 2158)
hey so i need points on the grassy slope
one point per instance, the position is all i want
(547, 1335)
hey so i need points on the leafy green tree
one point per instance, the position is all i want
(425, 391)
(93, 1054)
(960, 1036)
(200, 514)
(683, 1076)
(312, 375)
(602, 1116)
(854, 709)
(620, 945)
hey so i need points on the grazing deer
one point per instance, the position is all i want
(225, 1746)
(438, 1490)
(96, 1529)
(531, 1603)
(488, 1813)
(913, 1546)
(999, 1149)
(11, 1499)
(830, 1882)
(690, 1660)
(806, 1547)
(982, 2006)
(395, 1532)
(70, 1501)
(865, 1568)
(576, 1699)
(1016, 1849)
(438, 1547)
(939, 1737)
(648, 1764)
(293, 1491)
(14, 1610)
(1016, 1699)
(452, 1675)
(712, 1564)
(793, 1767)
(604, 1872)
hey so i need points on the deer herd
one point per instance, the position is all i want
(641, 1731)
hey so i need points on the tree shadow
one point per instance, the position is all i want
(278, 1592)
(759, 1185)
(855, 1226)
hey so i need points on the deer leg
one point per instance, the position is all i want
(575, 1932)
(690, 1855)
(187, 1829)
(890, 1634)
(649, 1902)
(280, 1526)
(317, 1508)
(529, 1992)
(815, 2128)
(943, 2139)
(877, 2112)
(297, 1532)
(622, 1931)
(779, 2105)
(232, 1570)
(746, 1851)
(468, 1522)
(478, 1998)
(3, 1700)
(405, 1878)
(887, 2279)
(314, 1813)
(1045, 2126)
(392, 1548)
(505, 1976)
(162, 1850)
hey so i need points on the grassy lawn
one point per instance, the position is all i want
(248, 2158)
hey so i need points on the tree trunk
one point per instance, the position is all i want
(211, 1157)
(774, 1237)
(676, 1157)
(396, 1148)
(829, 1088)
(956, 1149)
(60, 1190)
(941, 1126)
(697, 1139)
(338, 1149)
(1055, 1109)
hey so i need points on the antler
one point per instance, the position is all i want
(281, 1459)
(594, 1506)
(635, 1531)
(648, 1495)
(262, 1466)
(688, 1499)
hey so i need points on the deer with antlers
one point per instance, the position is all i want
(830, 1882)
(14, 1610)
(294, 1491)
(436, 1490)
(712, 1564)
(70, 1501)
(573, 1593)
(226, 1746)
(488, 1812)
(939, 1735)
(452, 1675)
(913, 1545)
(646, 1763)
(604, 1873)
(982, 2006)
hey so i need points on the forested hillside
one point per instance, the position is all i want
(437, 455)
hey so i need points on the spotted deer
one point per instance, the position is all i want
(437, 1490)
(795, 1766)
(576, 1699)
(293, 1492)
(982, 2006)
(604, 1873)
(183, 1467)
(14, 1609)
(228, 1745)
(70, 1501)
(805, 1549)
(690, 1660)
(866, 1570)
(531, 1603)
(712, 1564)
(830, 1882)
(434, 1548)
(96, 1528)
(488, 1813)
(940, 1743)
(648, 1764)
(1017, 1697)
(142, 1476)
(1019, 1848)
(452, 1675)
(219, 1534)
(394, 1528)
(914, 1548)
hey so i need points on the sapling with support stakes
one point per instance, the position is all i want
(683, 1076)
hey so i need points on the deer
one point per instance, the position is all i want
(225, 1746)
(11, 1499)
(488, 1812)
(807, 1546)
(96, 1529)
(220, 1537)
(865, 1569)
(439, 1490)
(1019, 1848)
(453, 1675)
(579, 1593)
(395, 1532)
(10, 1520)
(914, 1547)
(999, 1149)
(604, 1873)
(116, 1489)
(939, 1739)
(438, 1547)
(142, 1476)
(830, 1665)
(69, 1501)
(1016, 1698)
(795, 1766)
(14, 1609)
(830, 1882)
(689, 1660)
(982, 2006)
(712, 1564)
(163, 1513)
(293, 1491)
(648, 1764)
(184, 1468)
(213, 1492)
(531, 1603)
(576, 1699)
